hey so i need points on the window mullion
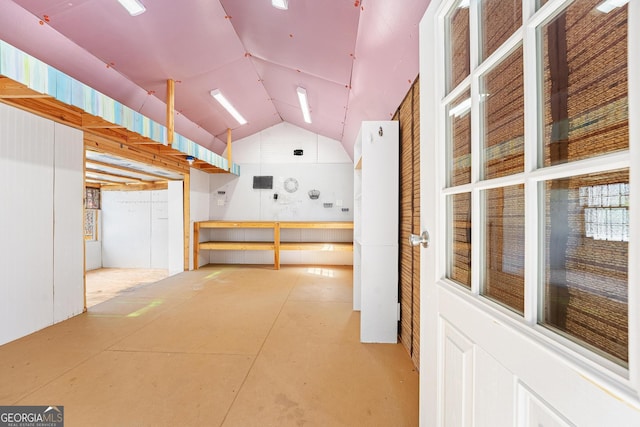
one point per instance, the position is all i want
(474, 34)
(476, 131)
(532, 113)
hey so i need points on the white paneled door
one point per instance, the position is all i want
(530, 163)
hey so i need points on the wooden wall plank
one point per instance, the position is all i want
(408, 115)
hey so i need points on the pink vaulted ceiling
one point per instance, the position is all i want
(356, 59)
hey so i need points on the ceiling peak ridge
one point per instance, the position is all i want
(303, 72)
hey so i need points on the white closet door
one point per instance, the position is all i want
(68, 281)
(26, 223)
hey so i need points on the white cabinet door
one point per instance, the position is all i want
(376, 180)
(379, 294)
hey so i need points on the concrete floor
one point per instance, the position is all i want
(220, 346)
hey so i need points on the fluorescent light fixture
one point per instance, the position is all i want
(280, 4)
(227, 106)
(463, 4)
(134, 7)
(608, 5)
(461, 109)
(304, 104)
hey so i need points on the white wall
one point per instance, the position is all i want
(135, 229)
(324, 166)
(276, 144)
(200, 199)
(93, 249)
(41, 223)
(234, 198)
(174, 227)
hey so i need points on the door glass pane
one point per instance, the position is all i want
(459, 265)
(503, 272)
(499, 19)
(584, 83)
(586, 260)
(502, 100)
(458, 52)
(459, 141)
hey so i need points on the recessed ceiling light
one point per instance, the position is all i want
(218, 96)
(280, 4)
(134, 7)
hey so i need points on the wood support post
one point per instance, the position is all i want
(196, 244)
(171, 93)
(186, 206)
(276, 243)
(229, 156)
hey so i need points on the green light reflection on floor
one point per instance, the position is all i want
(213, 275)
(145, 309)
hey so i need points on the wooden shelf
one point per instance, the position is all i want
(276, 245)
(316, 246)
(313, 224)
(237, 246)
(236, 224)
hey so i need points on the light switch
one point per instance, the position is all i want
(338, 203)
(220, 202)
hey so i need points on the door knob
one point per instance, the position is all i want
(415, 240)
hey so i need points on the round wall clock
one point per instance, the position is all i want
(291, 185)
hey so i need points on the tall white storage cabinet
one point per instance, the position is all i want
(375, 264)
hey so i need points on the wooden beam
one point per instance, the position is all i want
(111, 174)
(171, 93)
(107, 181)
(209, 169)
(95, 182)
(91, 121)
(100, 134)
(229, 156)
(124, 169)
(40, 107)
(115, 134)
(12, 89)
(136, 187)
(138, 153)
(176, 154)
